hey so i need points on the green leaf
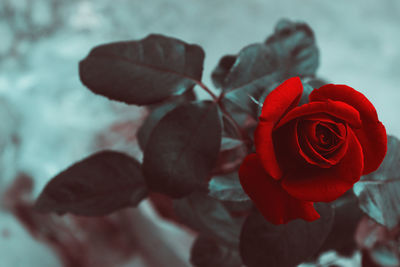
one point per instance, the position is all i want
(96, 186)
(208, 216)
(347, 217)
(295, 50)
(290, 51)
(230, 156)
(151, 122)
(222, 70)
(183, 149)
(252, 72)
(379, 191)
(142, 72)
(253, 63)
(286, 245)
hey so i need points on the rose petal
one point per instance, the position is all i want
(309, 152)
(344, 93)
(340, 132)
(277, 104)
(336, 152)
(316, 184)
(265, 149)
(372, 134)
(337, 109)
(338, 129)
(286, 147)
(336, 126)
(274, 203)
(281, 99)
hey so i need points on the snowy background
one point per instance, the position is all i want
(48, 120)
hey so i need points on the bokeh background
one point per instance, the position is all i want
(48, 120)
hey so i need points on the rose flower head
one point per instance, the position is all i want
(310, 153)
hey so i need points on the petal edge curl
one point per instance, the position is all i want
(336, 109)
(372, 134)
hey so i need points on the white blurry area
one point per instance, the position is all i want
(43, 40)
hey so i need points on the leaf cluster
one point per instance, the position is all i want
(192, 150)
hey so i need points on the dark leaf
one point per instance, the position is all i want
(239, 126)
(290, 51)
(229, 128)
(264, 244)
(379, 191)
(183, 149)
(253, 71)
(187, 96)
(222, 70)
(294, 49)
(243, 119)
(142, 72)
(157, 111)
(207, 252)
(230, 156)
(208, 216)
(95, 186)
(253, 63)
(151, 122)
(227, 188)
(347, 217)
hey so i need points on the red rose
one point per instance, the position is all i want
(310, 153)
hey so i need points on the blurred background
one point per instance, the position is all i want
(48, 120)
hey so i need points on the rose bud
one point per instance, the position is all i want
(310, 153)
